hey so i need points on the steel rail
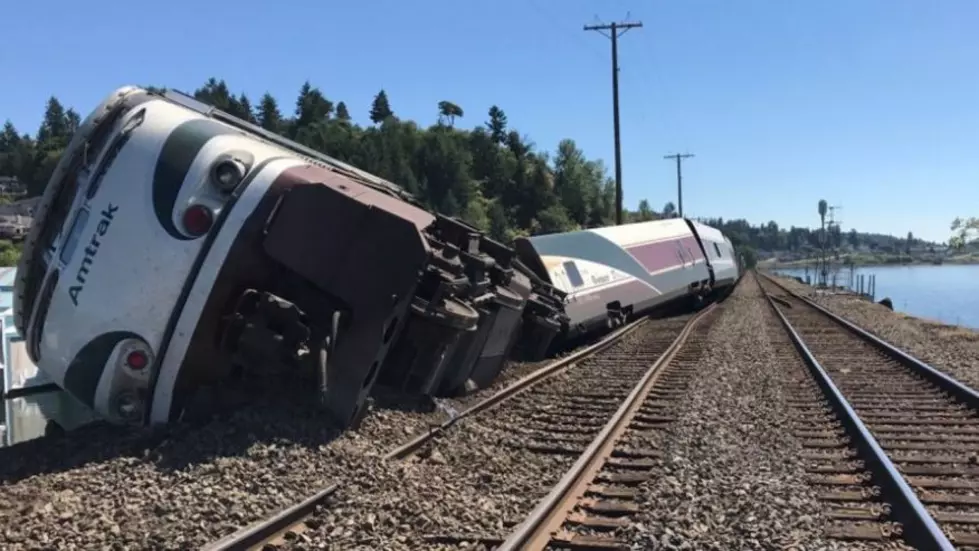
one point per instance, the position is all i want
(262, 531)
(517, 387)
(255, 535)
(961, 391)
(535, 532)
(923, 529)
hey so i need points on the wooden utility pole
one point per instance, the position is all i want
(615, 31)
(679, 178)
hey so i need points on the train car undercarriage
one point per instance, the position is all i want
(362, 300)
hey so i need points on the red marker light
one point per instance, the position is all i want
(137, 359)
(198, 220)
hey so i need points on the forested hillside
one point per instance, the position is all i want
(493, 175)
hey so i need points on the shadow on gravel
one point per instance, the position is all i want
(246, 421)
(270, 413)
(390, 399)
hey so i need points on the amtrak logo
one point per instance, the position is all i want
(91, 250)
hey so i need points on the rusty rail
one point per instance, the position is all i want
(537, 531)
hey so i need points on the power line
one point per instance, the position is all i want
(616, 29)
(679, 177)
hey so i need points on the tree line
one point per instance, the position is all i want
(491, 175)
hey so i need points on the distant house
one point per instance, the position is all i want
(16, 218)
(14, 227)
(10, 185)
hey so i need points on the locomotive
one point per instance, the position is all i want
(176, 244)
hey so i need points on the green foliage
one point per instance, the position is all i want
(492, 176)
(380, 109)
(9, 253)
(803, 242)
(749, 255)
(966, 232)
(497, 124)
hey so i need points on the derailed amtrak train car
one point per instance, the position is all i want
(176, 244)
(616, 273)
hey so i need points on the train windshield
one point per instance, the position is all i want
(43, 251)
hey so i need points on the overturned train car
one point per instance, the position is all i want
(613, 274)
(176, 244)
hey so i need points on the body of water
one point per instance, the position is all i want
(948, 293)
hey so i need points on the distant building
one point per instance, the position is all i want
(14, 227)
(24, 207)
(10, 185)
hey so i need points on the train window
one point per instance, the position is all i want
(74, 234)
(717, 250)
(574, 276)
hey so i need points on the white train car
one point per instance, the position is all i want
(614, 272)
(164, 232)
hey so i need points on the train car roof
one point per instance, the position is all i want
(708, 232)
(639, 232)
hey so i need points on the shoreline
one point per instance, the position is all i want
(867, 263)
(841, 301)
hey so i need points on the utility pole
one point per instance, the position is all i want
(615, 31)
(679, 178)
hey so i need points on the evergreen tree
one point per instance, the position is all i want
(380, 109)
(269, 116)
(497, 125)
(342, 113)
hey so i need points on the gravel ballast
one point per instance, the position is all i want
(954, 350)
(732, 479)
(469, 482)
(194, 483)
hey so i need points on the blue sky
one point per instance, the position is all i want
(870, 104)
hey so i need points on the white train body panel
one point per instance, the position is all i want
(720, 253)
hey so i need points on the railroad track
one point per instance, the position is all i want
(890, 440)
(554, 414)
(597, 495)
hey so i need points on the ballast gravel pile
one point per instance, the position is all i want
(194, 483)
(954, 350)
(731, 478)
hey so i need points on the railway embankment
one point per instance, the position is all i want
(732, 478)
(952, 349)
